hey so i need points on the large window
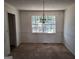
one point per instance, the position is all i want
(48, 27)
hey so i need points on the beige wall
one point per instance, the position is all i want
(69, 28)
(13, 10)
(26, 28)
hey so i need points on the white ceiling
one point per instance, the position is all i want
(37, 4)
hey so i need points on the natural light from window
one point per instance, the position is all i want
(48, 27)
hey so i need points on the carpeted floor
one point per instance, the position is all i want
(41, 51)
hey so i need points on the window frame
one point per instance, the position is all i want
(44, 32)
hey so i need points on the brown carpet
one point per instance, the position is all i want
(41, 51)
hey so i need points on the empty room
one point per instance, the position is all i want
(39, 29)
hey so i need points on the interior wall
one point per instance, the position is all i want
(69, 28)
(10, 9)
(26, 28)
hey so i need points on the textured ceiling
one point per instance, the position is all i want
(38, 5)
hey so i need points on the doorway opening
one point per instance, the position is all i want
(12, 31)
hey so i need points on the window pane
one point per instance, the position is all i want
(54, 26)
(34, 28)
(39, 28)
(48, 27)
(33, 19)
(54, 30)
(48, 20)
(44, 28)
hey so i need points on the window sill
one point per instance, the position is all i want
(43, 33)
